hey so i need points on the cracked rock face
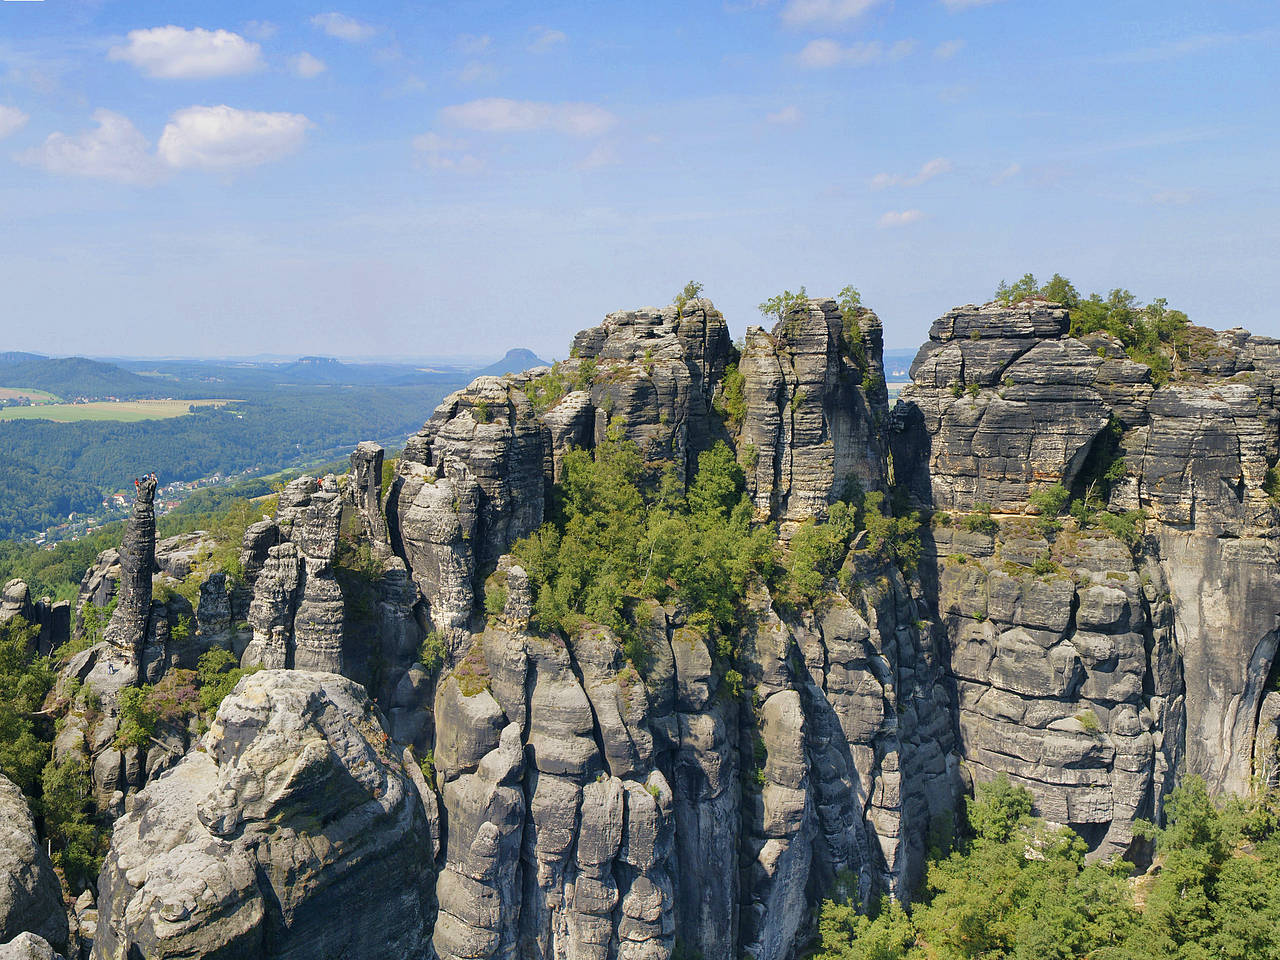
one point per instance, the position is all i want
(297, 607)
(127, 630)
(294, 832)
(812, 428)
(1096, 684)
(573, 786)
(30, 894)
(655, 374)
(579, 806)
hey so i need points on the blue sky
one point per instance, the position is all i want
(404, 179)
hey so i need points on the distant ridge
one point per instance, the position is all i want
(71, 377)
(515, 361)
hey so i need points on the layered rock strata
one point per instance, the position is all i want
(573, 805)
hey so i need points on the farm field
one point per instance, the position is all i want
(125, 411)
(35, 396)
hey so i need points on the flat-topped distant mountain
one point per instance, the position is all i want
(515, 361)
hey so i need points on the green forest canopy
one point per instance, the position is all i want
(1016, 889)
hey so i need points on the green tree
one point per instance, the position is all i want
(781, 306)
(25, 680)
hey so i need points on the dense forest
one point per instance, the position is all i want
(71, 377)
(55, 468)
(1016, 887)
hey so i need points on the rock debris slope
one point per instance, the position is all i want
(572, 803)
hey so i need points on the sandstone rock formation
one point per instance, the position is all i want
(294, 832)
(30, 895)
(53, 619)
(815, 406)
(128, 628)
(28, 946)
(572, 804)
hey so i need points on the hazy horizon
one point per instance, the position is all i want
(382, 180)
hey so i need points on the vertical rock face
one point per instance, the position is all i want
(30, 894)
(53, 619)
(1110, 667)
(815, 404)
(127, 630)
(654, 372)
(366, 491)
(294, 833)
(579, 808)
(469, 484)
(1004, 401)
(297, 610)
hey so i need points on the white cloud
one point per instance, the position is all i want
(787, 115)
(306, 66)
(445, 153)
(223, 138)
(825, 52)
(966, 4)
(801, 12)
(948, 49)
(1172, 197)
(115, 150)
(928, 170)
(545, 39)
(11, 120)
(471, 43)
(499, 115)
(343, 27)
(900, 218)
(174, 53)
(1007, 174)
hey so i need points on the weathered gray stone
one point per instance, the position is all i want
(30, 894)
(293, 833)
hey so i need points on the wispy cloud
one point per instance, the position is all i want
(260, 29)
(786, 116)
(478, 71)
(804, 12)
(824, 53)
(930, 169)
(11, 120)
(175, 53)
(210, 138)
(445, 153)
(343, 27)
(500, 115)
(900, 218)
(546, 39)
(306, 66)
(1007, 174)
(473, 43)
(601, 155)
(948, 49)
(1172, 198)
(1186, 46)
